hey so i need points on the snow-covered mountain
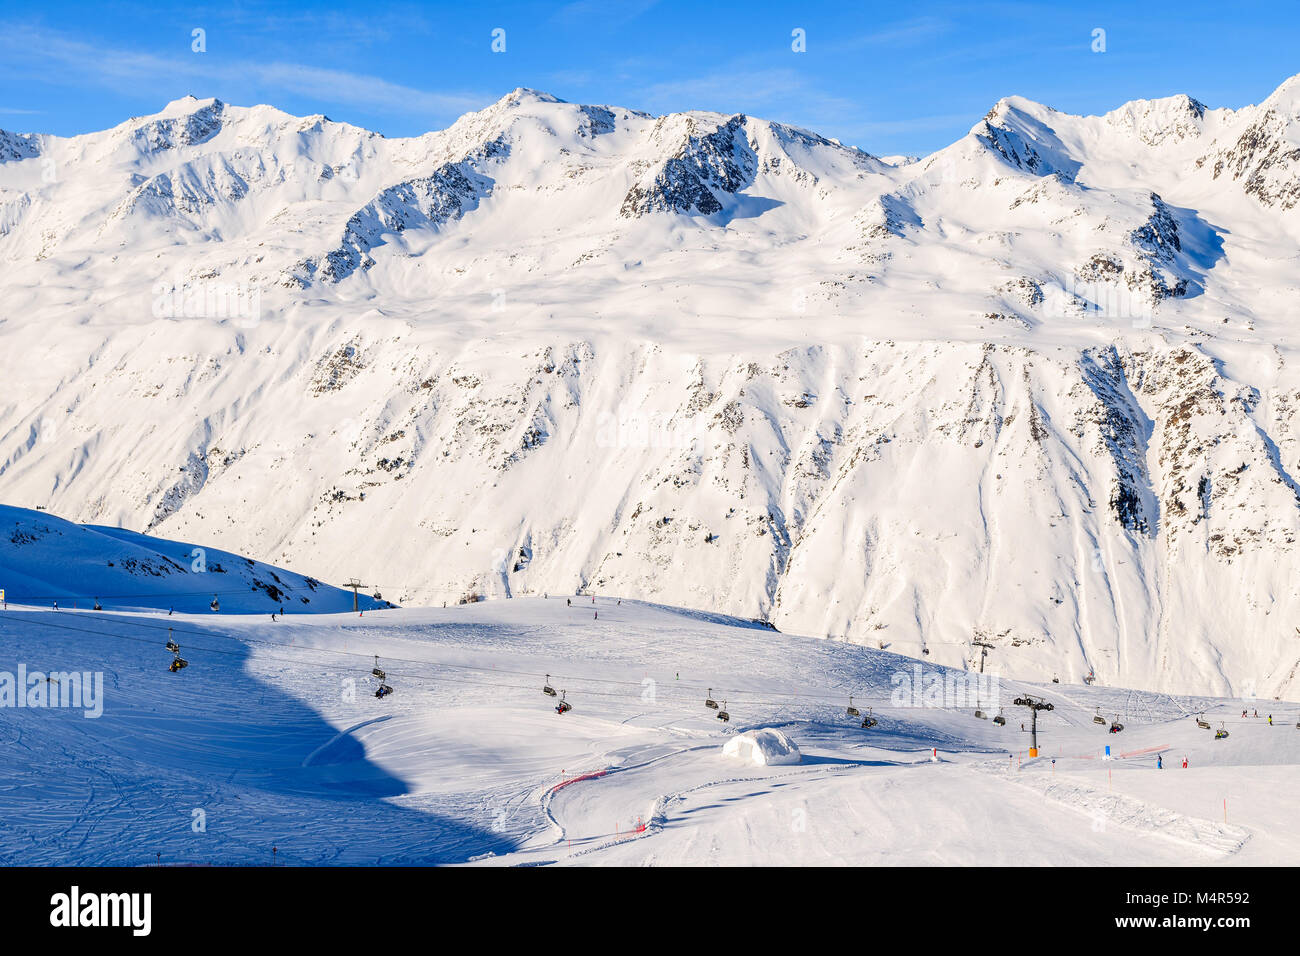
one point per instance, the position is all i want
(48, 562)
(1037, 389)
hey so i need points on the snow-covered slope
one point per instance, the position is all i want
(273, 738)
(1038, 388)
(47, 561)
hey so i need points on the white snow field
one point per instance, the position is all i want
(272, 738)
(1040, 387)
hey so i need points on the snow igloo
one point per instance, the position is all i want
(762, 748)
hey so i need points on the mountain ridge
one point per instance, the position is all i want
(1040, 385)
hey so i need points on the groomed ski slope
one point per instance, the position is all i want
(262, 743)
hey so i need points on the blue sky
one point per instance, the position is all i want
(888, 77)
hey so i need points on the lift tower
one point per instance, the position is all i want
(1035, 704)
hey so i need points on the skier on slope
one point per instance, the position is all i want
(1160, 764)
(1184, 763)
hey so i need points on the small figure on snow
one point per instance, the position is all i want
(1160, 764)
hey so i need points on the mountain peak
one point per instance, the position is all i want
(524, 94)
(1286, 98)
(187, 104)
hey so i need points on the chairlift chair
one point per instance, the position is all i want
(1000, 720)
(852, 711)
(563, 707)
(1221, 733)
(869, 721)
(215, 605)
(173, 646)
(709, 702)
(178, 663)
(98, 606)
(1115, 725)
(722, 713)
(1202, 723)
(383, 691)
(547, 689)
(378, 671)
(1097, 718)
(981, 715)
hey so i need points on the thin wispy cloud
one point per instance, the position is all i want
(62, 59)
(771, 93)
(906, 33)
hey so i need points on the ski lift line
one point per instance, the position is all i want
(409, 675)
(684, 699)
(123, 621)
(690, 692)
(406, 676)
